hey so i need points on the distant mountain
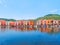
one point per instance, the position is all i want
(7, 19)
(50, 16)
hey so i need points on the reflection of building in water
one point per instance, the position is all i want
(13, 28)
(41, 29)
(3, 28)
(26, 29)
(52, 29)
(56, 29)
(45, 29)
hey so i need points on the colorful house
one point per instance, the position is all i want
(55, 22)
(42, 22)
(2, 22)
(31, 22)
(39, 22)
(12, 24)
(59, 22)
(20, 22)
(26, 22)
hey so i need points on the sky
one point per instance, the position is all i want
(28, 9)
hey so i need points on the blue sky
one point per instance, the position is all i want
(28, 9)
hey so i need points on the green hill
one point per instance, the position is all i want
(50, 16)
(7, 19)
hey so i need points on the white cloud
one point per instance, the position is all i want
(55, 10)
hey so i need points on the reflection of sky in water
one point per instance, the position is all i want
(33, 37)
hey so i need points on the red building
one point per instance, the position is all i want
(12, 24)
(2, 22)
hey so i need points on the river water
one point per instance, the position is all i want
(24, 36)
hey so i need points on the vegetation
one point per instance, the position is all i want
(50, 16)
(7, 19)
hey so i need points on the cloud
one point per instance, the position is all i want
(55, 10)
(3, 3)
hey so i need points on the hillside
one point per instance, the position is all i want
(50, 16)
(7, 19)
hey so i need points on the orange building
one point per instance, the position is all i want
(26, 22)
(12, 24)
(49, 22)
(2, 22)
(42, 22)
(31, 23)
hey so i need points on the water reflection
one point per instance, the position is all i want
(41, 29)
(52, 29)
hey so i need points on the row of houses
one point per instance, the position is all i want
(48, 22)
(17, 23)
(29, 22)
